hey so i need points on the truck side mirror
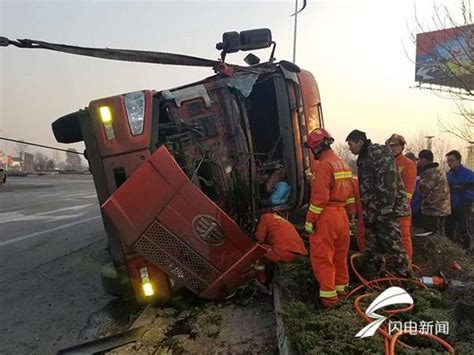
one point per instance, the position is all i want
(244, 41)
(255, 39)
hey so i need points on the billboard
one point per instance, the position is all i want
(445, 57)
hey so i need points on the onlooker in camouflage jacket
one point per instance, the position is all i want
(434, 192)
(381, 187)
(384, 201)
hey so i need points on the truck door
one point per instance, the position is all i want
(164, 217)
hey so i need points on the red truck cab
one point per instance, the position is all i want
(187, 165)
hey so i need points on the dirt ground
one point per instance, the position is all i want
(314, 330)
(245, 324)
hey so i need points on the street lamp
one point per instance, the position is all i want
(429, 142)
(296, 26)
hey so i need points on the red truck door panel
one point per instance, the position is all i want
(161, 214)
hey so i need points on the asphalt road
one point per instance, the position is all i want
(52, 248)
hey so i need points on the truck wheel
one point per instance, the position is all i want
(67, 129)
(111, 281)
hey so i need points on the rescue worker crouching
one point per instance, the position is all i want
(283, 238)
(327, 222)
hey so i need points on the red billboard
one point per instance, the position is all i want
(445, 57)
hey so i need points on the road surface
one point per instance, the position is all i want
(52, 248)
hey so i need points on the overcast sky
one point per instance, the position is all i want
(359, 52)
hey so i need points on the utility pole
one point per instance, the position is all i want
(429, 142)
(296, 26)
(295, 30)
(470, 155)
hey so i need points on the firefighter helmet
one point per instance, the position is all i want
(317, 137)
(396, 137)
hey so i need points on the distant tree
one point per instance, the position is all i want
(39, 161)
(418, 141)
(345, 154)
(20, 148)
(72, 158)
(50, 164)
(56, 157)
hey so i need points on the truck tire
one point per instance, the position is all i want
(67, 129)
(111, 281)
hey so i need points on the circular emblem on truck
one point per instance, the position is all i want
(208, 230)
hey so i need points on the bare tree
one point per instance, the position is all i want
(39, 161)
(20, 148)
(344, 153)
(72, 158)
(418, 141)
(50, 164)
(56, 157)
(452, 60)
(439, 148)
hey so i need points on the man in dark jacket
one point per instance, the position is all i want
(461, 186)
(434, 192)
(384, 201)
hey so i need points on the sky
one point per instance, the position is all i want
(360, 53)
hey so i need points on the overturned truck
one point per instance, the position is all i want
(179, 173)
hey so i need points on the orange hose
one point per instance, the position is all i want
(384, 279)
(401, 310)
(439, 340)
(417, 268)
(389, 341)
(354, 291)
(386, 344)
(368, 320)
(359, 276)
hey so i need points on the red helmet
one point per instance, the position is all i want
(396, 137)
(318, 136)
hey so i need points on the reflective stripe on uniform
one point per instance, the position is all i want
(350, 200)
(343, 175)
(327, 294)
(341, 288)
(409, 195)
(308, 227)
(315, 209)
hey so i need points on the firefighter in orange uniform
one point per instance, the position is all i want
(284, 241)
(407, 170)
(282, 236)
(327, 222)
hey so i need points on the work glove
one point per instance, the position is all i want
(309, 229)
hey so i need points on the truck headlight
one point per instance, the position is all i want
(135, 107)
(146, 283)
(106, 117)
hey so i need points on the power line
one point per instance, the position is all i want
(41, 145)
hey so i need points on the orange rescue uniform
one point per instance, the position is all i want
(407, 170)
(329, 242)
(282, 236)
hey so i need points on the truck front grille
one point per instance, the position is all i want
(176, 258)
